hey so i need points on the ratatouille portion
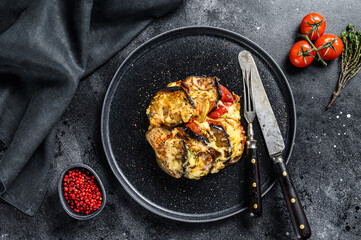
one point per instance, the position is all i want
(195, 127)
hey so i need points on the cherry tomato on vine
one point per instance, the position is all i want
(301, 54)
(313, 25)
(332, 44)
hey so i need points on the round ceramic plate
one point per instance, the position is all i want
(174, 56)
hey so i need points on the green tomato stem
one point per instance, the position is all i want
(313, 47)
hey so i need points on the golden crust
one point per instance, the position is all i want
(169, 149)
(170, 107)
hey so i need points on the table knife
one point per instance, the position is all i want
(275, 146)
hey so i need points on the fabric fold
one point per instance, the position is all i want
(46, 47)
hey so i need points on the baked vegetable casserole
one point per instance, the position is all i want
(195, 127)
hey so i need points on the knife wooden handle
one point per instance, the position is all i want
(298, 217)
(254, 184)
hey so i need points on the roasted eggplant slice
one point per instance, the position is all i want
(216, 138)
(204, 84)
(221, 145)
(171, 107)
(204, 91)
(199, 156)
(236, 136)
(198, 163)
(194, 135)
(170, 150)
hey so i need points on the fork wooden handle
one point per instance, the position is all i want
(254, 184)
(298, 217)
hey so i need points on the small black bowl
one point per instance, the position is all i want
(67, 208)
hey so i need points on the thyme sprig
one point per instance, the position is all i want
(350, 60)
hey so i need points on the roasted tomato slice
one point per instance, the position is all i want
(226, 94)
(220, 110)
(227, 104)
(194, 127)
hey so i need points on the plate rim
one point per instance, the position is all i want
(138, 197)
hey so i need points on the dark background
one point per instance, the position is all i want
(324, 162)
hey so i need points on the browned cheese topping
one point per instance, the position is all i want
(187, 141)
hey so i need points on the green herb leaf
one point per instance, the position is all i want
(351, 58)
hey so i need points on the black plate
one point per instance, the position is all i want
(169, 57)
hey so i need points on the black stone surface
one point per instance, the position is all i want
(326, 158)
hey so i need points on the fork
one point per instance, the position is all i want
(255, 204)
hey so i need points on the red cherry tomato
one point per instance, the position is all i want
(313, 25)
(301, 54)
(226, 95)
(333, 46)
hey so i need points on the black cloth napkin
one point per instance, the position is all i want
(46, 47)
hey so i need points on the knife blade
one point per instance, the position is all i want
(266, 118)
(275, 146)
